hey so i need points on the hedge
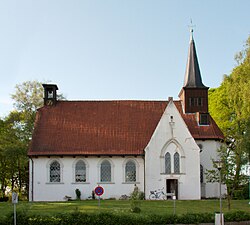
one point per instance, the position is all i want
(114, 219)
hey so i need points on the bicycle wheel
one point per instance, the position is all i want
(163, 197)
(152, 197)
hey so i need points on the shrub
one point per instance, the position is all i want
(135, 206)
(237, 216)
(78, 194)
(137, 194)
(4, 199)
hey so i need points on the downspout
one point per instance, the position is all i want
(144, 176)
(32, 179)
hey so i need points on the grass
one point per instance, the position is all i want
(147, 207)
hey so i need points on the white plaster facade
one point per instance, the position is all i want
(44, 190)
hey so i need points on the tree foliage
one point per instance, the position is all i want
(229, 105)
(15, 135)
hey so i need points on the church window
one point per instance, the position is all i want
(105, 171)
(130, 171)
(201, 174)
(55, 172)
(176, 163)
(80, 171)
(167, 163)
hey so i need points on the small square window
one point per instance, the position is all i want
(204, 119)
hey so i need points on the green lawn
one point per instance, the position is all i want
(147, 207)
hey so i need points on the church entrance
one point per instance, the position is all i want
(172, 188)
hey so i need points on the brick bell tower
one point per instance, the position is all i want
(194, 94)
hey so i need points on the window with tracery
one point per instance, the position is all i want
(176, 162)
(130, 172)
(167, 163)
(105, 171)
(80, 171)
(55, 172)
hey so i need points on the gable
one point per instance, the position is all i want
(104, 127)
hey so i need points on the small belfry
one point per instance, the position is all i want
(194, 94)
(50, 95)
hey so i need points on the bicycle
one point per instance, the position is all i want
(124, 197)
(157, 195)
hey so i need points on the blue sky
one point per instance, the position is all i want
(117, 49)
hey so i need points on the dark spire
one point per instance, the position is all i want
(193, 75)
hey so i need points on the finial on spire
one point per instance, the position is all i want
(191, 26)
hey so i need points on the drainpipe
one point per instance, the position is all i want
(32, 179)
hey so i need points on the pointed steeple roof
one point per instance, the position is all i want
(193, 75)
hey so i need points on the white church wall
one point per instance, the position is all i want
(172, 135)
(207, 155)
(43, 190)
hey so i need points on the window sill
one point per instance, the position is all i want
(173, 174)
(80, 183)
(131, 182)
(54, 183)
(105, 182)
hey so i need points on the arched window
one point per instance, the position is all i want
(201, 174)
(80, 171)
(54, 172)
(105, 171)
(167, 163)
(130, 171)
(176, 162)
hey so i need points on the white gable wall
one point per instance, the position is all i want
(173, 136)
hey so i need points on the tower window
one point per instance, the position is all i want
(191, 101)
(200, 101)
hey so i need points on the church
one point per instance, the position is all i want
(118, 144)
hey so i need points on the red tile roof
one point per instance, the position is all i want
(104, 127)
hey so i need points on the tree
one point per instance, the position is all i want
(12, 158)
(230, 107)
(15, 135)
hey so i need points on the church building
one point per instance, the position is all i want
(118, 144)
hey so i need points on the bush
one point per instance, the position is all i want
(241, 193)
(78, 194)
(4, 199)
(135, 206)
(137, 195)
(237, 216)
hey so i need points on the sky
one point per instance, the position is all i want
(117, 49)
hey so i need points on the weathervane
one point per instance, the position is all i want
(191, 26)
